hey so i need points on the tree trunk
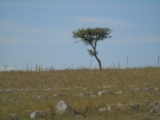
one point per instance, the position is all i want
(95, 55)
(99, 62)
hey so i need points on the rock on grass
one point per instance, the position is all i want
(36, 114)
(62, 107)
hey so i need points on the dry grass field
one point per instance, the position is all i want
(133, 94)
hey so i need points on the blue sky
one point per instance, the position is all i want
(41, 32)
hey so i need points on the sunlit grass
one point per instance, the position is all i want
(67, 85)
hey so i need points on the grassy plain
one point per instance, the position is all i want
(69, 85)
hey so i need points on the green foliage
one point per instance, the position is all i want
(92, 53)
(92, 35)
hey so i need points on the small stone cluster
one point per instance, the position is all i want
(62, 107)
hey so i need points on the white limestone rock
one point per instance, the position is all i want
(156, 89)
(13, 117)
(156, 109)
(120, 105)
(135, 89)
(100, 93)
(36, 114)
(134, 105)
(93, 96)
(102, 109)
(9, 90)
(109, 86)
(109, 107)
(41, 97)
(61, 107)
(2, 91)
(85, 94)
(118, 92)
(49, 89)
(149, 89)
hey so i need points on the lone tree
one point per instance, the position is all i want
(91, 36)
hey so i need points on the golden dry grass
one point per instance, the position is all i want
(69, 84)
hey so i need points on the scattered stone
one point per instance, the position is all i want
(149, 89)
(147, 119)
(49, 109)
(36, 114)
(119, 92)
(79, 116)
(49, 89)
(21, 89)
(120, 105)
(109, 107)
(61, 107)
(153, 111)
(93, 96)
(134, 105)
(156, 89)
(109, 86)
(28, 111)
(81, 95)
(156, 109)
(85, 88)
(41, 97)
(56, 95)
(63, 88)
(60, 95)
(147, 103)
(9, 99)
(2, 90)
(100, 93)
(85, 94)
(34, 89)
(9, 90)
(102, 109)
(156, 103)
(13, 117)
(135, 89)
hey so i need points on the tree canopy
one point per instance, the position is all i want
(90, 35)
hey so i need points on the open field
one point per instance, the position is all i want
(132, 94)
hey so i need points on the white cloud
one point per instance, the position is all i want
(147, 38)
(134, 39)
(18, 28)
(33, 4)
(123, 32)
(106, 21)
(17, 33)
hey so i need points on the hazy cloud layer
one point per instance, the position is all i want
(17, 33)
(106, 21)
